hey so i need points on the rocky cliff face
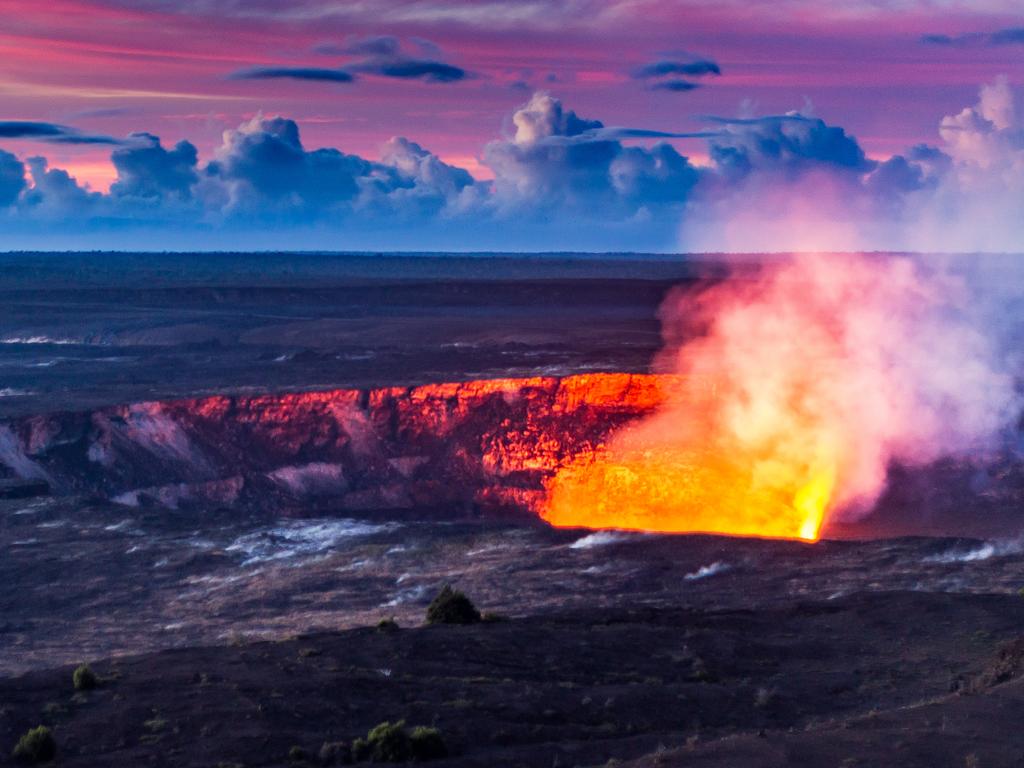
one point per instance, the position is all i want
(470, 447)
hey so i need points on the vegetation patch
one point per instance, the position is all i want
(84, 679)
(36, 746)
(452, 607)
(393, 743)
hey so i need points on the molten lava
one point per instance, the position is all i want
(636, 485)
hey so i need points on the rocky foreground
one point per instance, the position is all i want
(869, 679)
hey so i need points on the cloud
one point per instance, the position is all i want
(263, 161)
(543, 116)
(670, 74)
(12, 178)
(1009, 36)
(557, 160)
(147, 170)
(55, 193)
(379, 55)
(1006, 36)
(677, 86)
(775, 182)
(815, 189)
(263, 173)
(787, 144)
(49, 132)
(413, 69)
(665, 67)
(317, 74)
(420, 185)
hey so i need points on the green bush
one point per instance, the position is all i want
(389, 743)
(392, 743)
(427, 744)
(452, 607)
(387, 625)
(84, 678)
(297, 755)
(36, 746)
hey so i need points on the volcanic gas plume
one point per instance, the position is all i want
(802, 387)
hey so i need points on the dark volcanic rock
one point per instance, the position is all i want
(17, 488)
(864, 678)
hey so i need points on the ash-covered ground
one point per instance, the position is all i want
(245, 634)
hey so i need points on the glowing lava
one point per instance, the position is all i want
(679, 491)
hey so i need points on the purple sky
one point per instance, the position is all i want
(451, 75)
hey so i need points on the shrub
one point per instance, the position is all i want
(335, 753)
(387, 625)
(36, 746)
(452, 607)
(427, 744)
(389, 743)
(297, 755)
(84, 678)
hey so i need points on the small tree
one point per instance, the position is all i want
(389, 743)
(452, 607)
(36, 746)
(84, 678)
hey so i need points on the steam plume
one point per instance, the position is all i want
(805, 383)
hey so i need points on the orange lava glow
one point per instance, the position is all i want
(632, 486)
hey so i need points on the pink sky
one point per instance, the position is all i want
(115, 67)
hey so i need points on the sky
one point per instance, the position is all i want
(658, 125)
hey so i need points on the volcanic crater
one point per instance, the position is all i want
(262, 537)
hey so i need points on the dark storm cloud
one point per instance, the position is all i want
(666, 67)
(316, 74)
(49, 132)
(1006, 36)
